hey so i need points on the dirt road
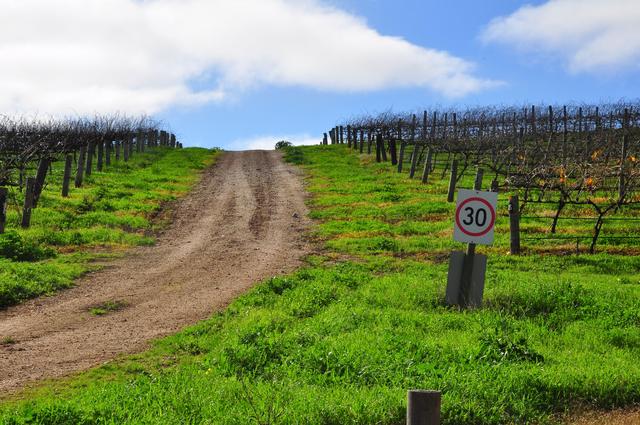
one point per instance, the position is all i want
(242, 223)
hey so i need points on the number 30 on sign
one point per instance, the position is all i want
(475, 216)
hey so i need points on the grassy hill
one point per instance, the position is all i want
(340, 341)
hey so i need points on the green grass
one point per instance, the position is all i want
(107, 307)
(7, 340)
(112, 211)
(341, 340)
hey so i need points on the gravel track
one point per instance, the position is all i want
(242, 223)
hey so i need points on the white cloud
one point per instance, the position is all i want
(84, 56)
(267, 142)
(591, 35)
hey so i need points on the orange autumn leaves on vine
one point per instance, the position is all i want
(588, 182)
(562, 176)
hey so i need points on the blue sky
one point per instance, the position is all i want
(246, 73)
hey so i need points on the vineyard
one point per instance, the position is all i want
(31, 147)
(342, 339)
(76, 192)
(319, 212)
(574, 163)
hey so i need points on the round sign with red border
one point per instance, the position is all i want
(475, 216)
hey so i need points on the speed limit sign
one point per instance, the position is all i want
(475, 216)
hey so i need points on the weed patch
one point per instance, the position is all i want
(107, 307)
(502, 345)
(7, 340)
(15, 247)
(294, 155)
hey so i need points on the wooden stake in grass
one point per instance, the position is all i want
(625, 145)
(423, 407)
(100, 155)
(533, 120)
(130, 145)
(151, 138)
(66, 178)
(80, 170)
(21, 177)
(90, 152)
(427, 166)
(383, 150)
(514, 224)
(354, 138)
(107, 153)
(125, 148)
(41, 175)
(28, 202)
(402, 146)
(414, 154)
(564, 137)
(452, 180)
(423, 132)
(392, 151)
(4, 194)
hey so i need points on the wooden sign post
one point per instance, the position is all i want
(474, 222)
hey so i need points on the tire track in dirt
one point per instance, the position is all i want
(242, 223)
(265, 201)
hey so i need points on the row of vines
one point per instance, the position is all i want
(581, 156)
(29, 148)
